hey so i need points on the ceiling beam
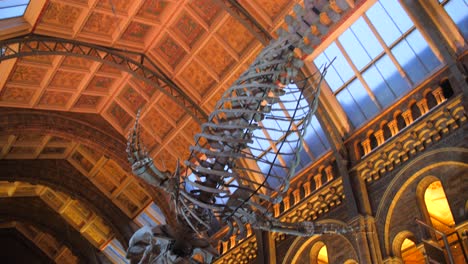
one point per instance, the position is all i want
(89, 129)
(143, 68)
(235, 9)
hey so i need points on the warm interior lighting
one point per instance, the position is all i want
(406, 245)
(437, 205)
(410, 253)
(322, 257)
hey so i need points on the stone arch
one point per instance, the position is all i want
(340, 246)
(18, 225)
(89, 129)
(35, 212)
(315, 250)
(74, 184)
(447, 163)
(398, 241)
(420, 190)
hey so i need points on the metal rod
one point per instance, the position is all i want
(444, 237)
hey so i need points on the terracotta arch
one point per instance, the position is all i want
(62, 176)
(419, 168)
(302, 246)
(89, 129)
(34, 211)
(398, 241)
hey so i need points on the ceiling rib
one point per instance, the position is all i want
(145, 70)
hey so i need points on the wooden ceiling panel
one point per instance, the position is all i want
(101, 26)
(101, 85)
(198, 78)
(235, 35)
(67, 80)
(208, 10)
(27, 75)
(76, 63)
(117, 6)
(166, 160)
(273, 8)
(179, 146)
(138, 33)
(128, 206)
(105, 68)
(60, 15)
(147, 91)
(16, 95)
(114, 172)
(157, 125)
(171, 108)
(139, 195)
(188, 29)
(120, 118)
(81, 163)
(155, 10)
(88, 102)
(132, 98)
(170, 51)
(102, 182)
(53, 99)
(216, 57)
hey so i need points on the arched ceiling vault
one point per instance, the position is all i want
(67, 117)
(61, 176)
(51, 247)
(34, 211)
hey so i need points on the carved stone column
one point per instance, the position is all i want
(367, 240)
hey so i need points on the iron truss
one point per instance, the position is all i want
(137, 64)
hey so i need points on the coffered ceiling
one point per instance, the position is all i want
(200, 45)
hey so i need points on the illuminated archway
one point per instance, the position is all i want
(437, 206)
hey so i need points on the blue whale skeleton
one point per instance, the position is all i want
(224, 180)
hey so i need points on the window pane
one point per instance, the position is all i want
(354, 49)
(332, 77)
(378, 86)
(383, 24)
(367, 38)
(351, 108)
(341, 72)
(410, 63)
(315, 138)
(11, 3)
(425, 54)
(10, 12)
(398, 14)
(391, 75)
(458, 11)
(361, 97)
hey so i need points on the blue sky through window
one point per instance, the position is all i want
(12, 8)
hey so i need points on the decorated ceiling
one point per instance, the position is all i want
(201, 46)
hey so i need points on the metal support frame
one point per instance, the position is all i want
(144, 69)
(444, 238)
(234, 8)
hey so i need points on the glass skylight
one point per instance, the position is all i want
(12, 8)
(378, 59)
(458, 11)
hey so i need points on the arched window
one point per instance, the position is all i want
(322, 257)
(410, 253)
(319, 253)
(437, 206)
